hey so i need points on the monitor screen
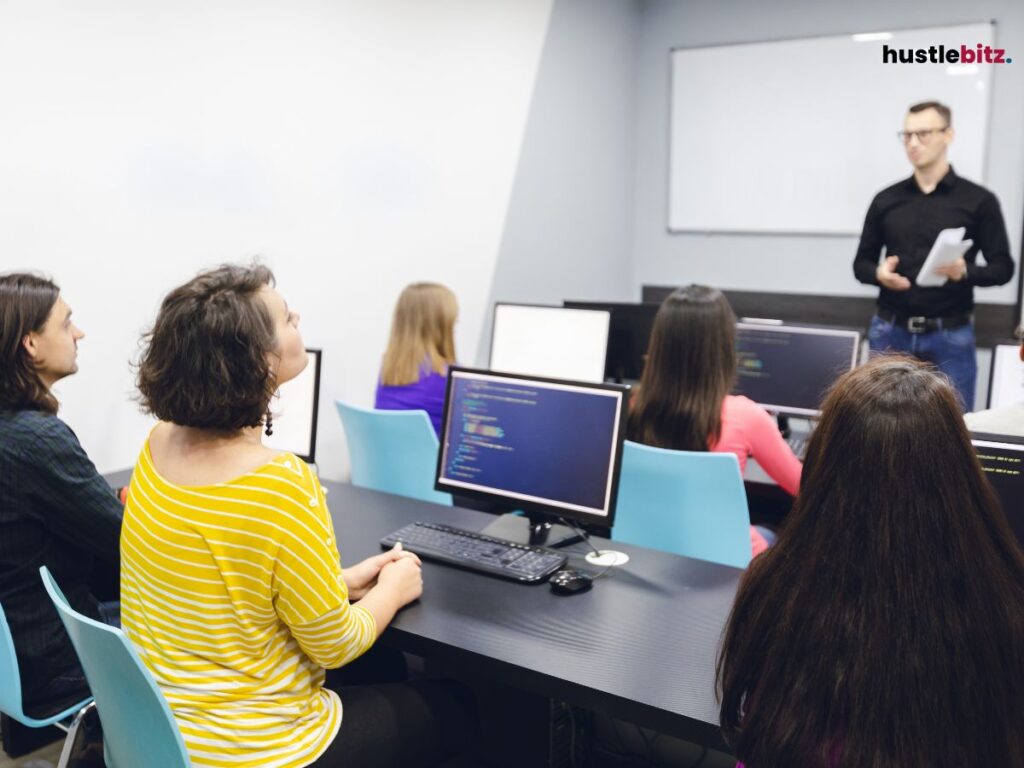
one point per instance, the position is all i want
(789, 368)
(553, 342)
(539, 445)
(1006, 383)
(1002, 458)
(628, 336)
(295, 411)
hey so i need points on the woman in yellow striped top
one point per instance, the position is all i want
(232, 586)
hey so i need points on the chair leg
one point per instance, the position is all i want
(69, 741)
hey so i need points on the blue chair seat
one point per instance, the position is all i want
(688, 502)
(68, 720)
(392, 451)
(138, 727)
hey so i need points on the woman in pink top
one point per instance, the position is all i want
(885, 628)
(683, 401)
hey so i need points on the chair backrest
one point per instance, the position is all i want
(690, 503)
(392, 451)
(10, 675)
(138, 727)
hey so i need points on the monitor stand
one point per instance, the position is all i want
(541, 532)
(523, 529)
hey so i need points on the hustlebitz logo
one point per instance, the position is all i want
(940, 54)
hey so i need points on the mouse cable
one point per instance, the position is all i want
(585, 538)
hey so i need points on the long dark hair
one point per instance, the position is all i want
(25, 303)
(885, 628)
(690, 368)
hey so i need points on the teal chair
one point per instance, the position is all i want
(138, 727)
(689, 503)
(69, 721)
(392, 451)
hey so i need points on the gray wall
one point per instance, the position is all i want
(801, 264)
(567, 233)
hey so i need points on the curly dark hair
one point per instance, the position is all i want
(26, 301)
(204, 363)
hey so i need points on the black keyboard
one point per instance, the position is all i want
(477, 551)
(798, 444)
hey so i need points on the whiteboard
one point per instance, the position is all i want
(797, 136)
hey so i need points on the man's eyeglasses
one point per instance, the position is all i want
(922, 136)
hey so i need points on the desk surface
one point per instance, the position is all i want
(641, 645)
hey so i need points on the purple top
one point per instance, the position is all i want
(426, 394)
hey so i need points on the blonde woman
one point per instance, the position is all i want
(420, 349)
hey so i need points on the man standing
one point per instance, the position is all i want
(933, 324)
(55, 509)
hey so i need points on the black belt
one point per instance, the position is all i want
(921, 324)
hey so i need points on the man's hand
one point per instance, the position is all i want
(955, 271)
(888, 277)
(362, 577)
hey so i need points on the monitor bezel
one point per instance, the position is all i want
(531, 507)
(310, 457)
(812, 330)
(994, 437)
(621, 307)
(494, 326)
(992, 367)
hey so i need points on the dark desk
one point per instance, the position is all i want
(640, 645)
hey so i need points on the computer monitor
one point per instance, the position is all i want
(295, 411)
(628, 336)
(1006, 377)
(1002, 458)
(547, 447)
(787, 368)
(555, 342)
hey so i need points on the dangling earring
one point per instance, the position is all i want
(268, 429)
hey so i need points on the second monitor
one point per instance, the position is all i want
(789, 368)
(628, 336)
(555, 342)
(1002, 459)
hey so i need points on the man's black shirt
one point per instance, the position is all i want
(906, 221)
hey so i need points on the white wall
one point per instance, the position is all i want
(568, 232)
(355, 145)
(807, 264)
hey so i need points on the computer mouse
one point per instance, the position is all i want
(570, 581)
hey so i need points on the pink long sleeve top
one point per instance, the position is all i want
(748, 430)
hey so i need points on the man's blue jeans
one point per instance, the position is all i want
(950, 350)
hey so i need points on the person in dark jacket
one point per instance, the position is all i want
(55, 508)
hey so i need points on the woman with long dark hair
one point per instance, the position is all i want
(885, 627)
(683, 401)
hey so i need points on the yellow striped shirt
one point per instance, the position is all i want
(233, 595)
